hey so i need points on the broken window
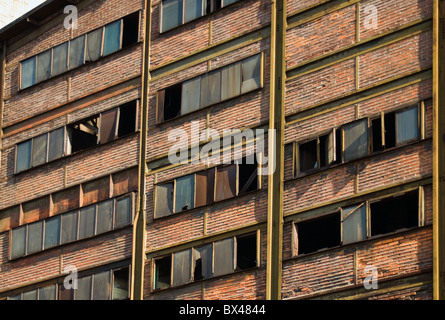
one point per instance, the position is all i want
(319, 233)
(246, 252)
(355, 140)
(225, 186)
(202, 262)
(182, 267)
(28, 73)
(121, 284)
(23, 156)
(43, 66)
(77, 52)
(171, 14)
(52, 232)
(247, 177)
(353, 223)
(172, 102)
(395, 213)
(308, 155)
(162, 278)
(223, 257)
(83, 135)
(185, 193)
(112, 37)
(60, 59)
(251, 73)
(317, 153)
(130, 29)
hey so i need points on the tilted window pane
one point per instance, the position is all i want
(224, 251)
(182, 267)
(56, 144)
(123, 212)
(211, 88)
(101, 287)
(107, 129)
(112, 40)
(83, 291)
(87, 222)
(94, 45)
(35, 237)
(105, 216)
(69, 227)
(407, 125)
(191, 92)
(225, 182)
(120, 284)
(30, 295)
(52, 232)
(60, 59)
(47, 293)
(164, 200)
(18, 245)
(231, 81)
(251, 74)
(23, 160)
(354, 223)
(43, 66)
(39, 148)
(171, 14)
(185, 193)
(356, 140)
(28, 73)
(77, 52)
(193, 9)
(202, 262)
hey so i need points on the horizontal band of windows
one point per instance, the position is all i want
(68, 227)
(72, 138)
(359, 222)
(111, 284)
(79, 51)
(175, 13)
(216, 86)
(206, 261)
(206, 187)
(357, 140)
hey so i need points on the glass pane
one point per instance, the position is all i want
(227, 2)
(193, 9)
(60, 59)
(105, 216)
(202, 262)
(18, 242)
(87, 222)
(164, 200)
(23, 158)
(251, 73)
(69, 227)
(211, 88)
(30, 295)
(190, 95)
(28, 73)
(107, 129)
(112, 40)
(231, 81)
(185, 193)
(224, 251)
(123, 212)
(43, 66)
(120, 284)
(171, 14)
(356, 140)
(39, 150)
(52, 232)
(77, 52)
(407, 125)
(47, 293)
(56, 144)
(94, 45)
(35, 237)
(16, 297)
(354, 224)
(225, 182)
(182, 267)
(83, 291)
(101, 288)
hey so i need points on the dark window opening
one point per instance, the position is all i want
(246, 252)
(172, 102)
(83, 135)
(308, 155)
(120, 284)
(377, 139)
(130, 33)
(163, 273)
(212, 5)
(319, 234)
(127, 119)
(339, 146)
(390, 130)
(248, 177)
(395, 213)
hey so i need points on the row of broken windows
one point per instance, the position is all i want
(358, 222)
(206, 261)
(358, 139)
(205, 187)
(179, 12)
(78, 51)
(99, 129)
(111, 284)
(71, 226)
(216, 86)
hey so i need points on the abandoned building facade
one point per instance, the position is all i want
(343, 186)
